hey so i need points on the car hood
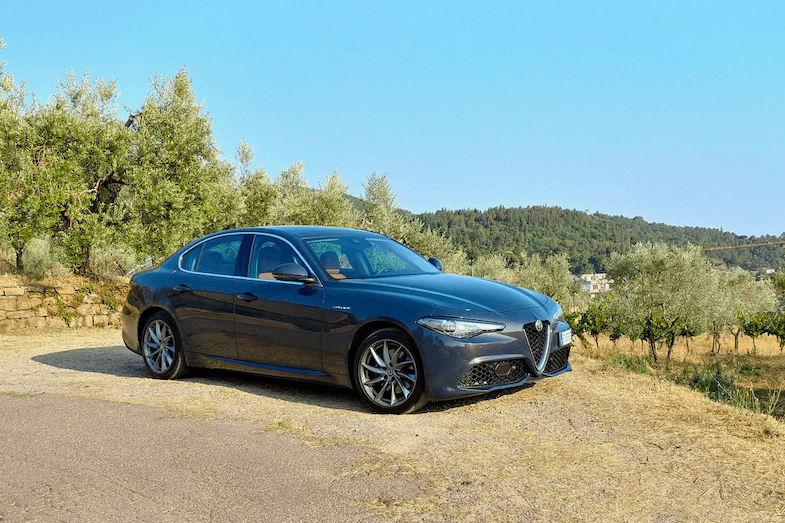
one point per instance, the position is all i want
(451, 294)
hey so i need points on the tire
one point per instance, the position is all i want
(162, 349)
(388, 373)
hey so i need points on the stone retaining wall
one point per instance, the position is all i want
(37, 306)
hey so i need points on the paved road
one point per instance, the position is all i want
(77, 459)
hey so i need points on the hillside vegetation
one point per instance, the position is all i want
(587, 239)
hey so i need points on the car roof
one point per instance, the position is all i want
(309, 231)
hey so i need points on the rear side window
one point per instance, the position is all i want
(191, 258)
(219, 256)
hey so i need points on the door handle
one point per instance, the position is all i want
(247, 296)
(181, 288)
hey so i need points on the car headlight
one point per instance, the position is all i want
(459, 328)
(558, 314)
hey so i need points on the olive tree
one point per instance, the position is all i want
(179, 187)
(494, 267)
(659, 290)
(753, 312)
(740, 301)
(550, 276)
(596, 319)
(63, 163)
(295, 203)
(256, 191)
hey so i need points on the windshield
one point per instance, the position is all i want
(374, 257)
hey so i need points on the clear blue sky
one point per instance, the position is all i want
(673, 111)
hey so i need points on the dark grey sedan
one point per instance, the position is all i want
(341, 306)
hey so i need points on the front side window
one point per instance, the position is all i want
(268, 253)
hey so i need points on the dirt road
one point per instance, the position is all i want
(87, 436)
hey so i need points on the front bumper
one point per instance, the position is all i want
(459, 368)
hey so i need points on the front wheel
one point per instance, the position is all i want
(389, 374)
(162, 349)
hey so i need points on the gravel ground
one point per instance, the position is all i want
(88, 436)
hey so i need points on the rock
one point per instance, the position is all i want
(91, 298)
(7, 326)
(8, 304)
(84, 309)
(36, 323)
(56, 322)
(12, 291)
(18, 315)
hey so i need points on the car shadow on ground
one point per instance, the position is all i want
(114, 360)
(117, 360)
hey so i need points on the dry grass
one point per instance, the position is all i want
(762, 373)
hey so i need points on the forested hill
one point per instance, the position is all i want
(587, 238)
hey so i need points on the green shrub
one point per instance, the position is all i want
(746, 368)
(113, 260)
(41, 257)
(636, 364)
(712, 380)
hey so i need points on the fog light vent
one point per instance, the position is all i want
(503, 369)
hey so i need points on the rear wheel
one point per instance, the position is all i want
(162, 349)
(389, 374)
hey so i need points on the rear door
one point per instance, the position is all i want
(203, 291)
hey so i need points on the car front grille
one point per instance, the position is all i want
(537, 340)
(557, 360)
(486, 374)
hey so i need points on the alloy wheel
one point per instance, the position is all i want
(388, 373)
(159, 346)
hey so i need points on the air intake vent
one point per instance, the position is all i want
(557, 360)
(492, 373)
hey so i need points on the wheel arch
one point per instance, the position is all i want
(369, 328)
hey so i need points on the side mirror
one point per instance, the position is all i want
(292, 272)
(436, 262)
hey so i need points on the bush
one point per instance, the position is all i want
(636, 364)
(41, 257)
(112, 260)
(713, 380)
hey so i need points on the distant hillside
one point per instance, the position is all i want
(588, 239)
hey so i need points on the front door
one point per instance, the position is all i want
(278, 324)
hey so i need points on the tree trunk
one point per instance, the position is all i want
(19, 264)
(653, 347)
(717, 341)
(736, 343)
(755, 345)
(670, 350)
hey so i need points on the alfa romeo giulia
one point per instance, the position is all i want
(341, 306)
